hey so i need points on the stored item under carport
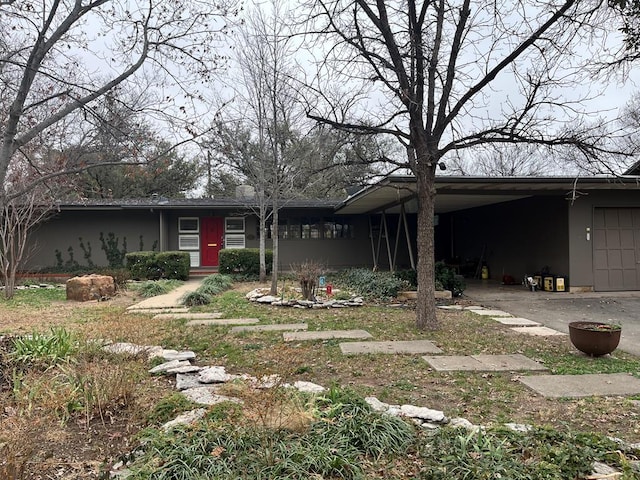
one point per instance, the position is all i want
(548, 283)
(560, 284)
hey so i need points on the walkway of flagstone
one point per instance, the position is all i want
(168, 307)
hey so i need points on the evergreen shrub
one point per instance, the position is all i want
(245, 261)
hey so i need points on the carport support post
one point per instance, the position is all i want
(373, 246)
(408, 236)
(386, 238)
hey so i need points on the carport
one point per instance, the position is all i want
(585, 229)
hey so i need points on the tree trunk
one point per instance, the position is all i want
(426, 305)
(276, 242)
(263, 243)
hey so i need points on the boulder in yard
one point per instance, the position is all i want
(90, 287)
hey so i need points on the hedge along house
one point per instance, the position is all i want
(585, 229)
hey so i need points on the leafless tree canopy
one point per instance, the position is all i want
(445, 76)
(59, 56)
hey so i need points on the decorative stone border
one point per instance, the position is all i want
(260, 295)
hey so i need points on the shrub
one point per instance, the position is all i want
(243, 261)
(156, 265)
(173, 264)
(307, 274)
(409, 276)
(447, 278)
(371, 285)
(138, 263)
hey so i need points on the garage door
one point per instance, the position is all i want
(616, 249)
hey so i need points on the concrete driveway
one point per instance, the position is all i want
(557, 310)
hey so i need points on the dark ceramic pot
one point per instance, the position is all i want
(594, 338)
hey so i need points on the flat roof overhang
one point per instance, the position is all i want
(460, 193)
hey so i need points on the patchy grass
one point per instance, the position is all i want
(107, 399)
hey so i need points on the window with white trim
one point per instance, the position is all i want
(188, 225)
(189, 238)
(234, 225)
(234, 232)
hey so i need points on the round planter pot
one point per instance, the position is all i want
(594, 338)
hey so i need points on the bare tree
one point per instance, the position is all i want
(62, 55)
(57, 58)
(451, 75)
(508, 160)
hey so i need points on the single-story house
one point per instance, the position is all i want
(584, 229)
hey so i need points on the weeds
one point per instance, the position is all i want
(194, 299)
(44, 350)
(151, 288)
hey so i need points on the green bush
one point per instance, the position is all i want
(173, 264)
(156, 265)
(138, 263)
(371, 285)
(244, 261)
(447, 278)
(409, 276)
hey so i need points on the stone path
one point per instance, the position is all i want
(325, 335)
(187, 316)
(485, 363)
(516, 321)
(271, 328)
(577, 386)
(169, 300)
(393, 347)
(221, 322)
(538, 331)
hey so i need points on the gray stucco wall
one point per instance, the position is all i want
(519, 237)
(66, 228)
(581, 218)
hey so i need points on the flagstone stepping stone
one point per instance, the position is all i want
(186, 418)
(489, 313)
(392, 347)
(308, 387)
(221, 322)
(135, 309)
(516, 321)
(185, 381)
(271, 328)
(207, 396)
(538, 331)
(164, 367)
(325, 335)
(169, 355)
(451, 307)
(214, 375)
(578, 386)
(187, 316)
(486, 363)
(124, 348)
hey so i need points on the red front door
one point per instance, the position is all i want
(211, 238)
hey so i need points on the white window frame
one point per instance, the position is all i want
(190, 237)
(181, 230)
(234, 241)
(234, 230)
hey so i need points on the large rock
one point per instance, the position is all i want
(90, 287)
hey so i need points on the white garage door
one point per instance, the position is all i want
(616, 249)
